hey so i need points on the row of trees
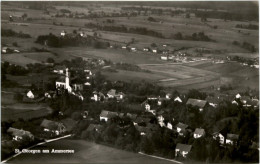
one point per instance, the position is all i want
(194, 37)
(11, 33)
(245, 45)
(250, 26)
(124, 29)
(54, 41)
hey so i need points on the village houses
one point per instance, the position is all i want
(19, 134)
(182, 150)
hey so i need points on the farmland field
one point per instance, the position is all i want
(84, 152)
(25, 111)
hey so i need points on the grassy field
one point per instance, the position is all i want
(133, 76)
(25, 111)
(85, 152)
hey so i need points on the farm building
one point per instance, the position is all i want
(146, 49)
(95, 127)
(98, 96)
(181, 128)
(63, 33)
(106, 115)
(164, 57)
(60, 69)
(19, 134)
(178, 99)
(196, 102)
(182, 150)
(113, 94)
(168, 96)
(69, 124)
(231, 138)
(30, 95)
(199, 133)
(53, 127)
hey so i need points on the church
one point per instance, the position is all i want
(64, 82)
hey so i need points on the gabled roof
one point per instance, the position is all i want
(183, 147)
(19, 132)
(199, 131)
(196, 102)
(232, 136)
(131, 116)
(93, 127)
(181, 125)
(52, 125)
(108, 114)
(69, 123)
(59, 67)
(112, 92)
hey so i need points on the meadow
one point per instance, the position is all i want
(84, 152)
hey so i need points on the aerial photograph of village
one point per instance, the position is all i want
(130, 82)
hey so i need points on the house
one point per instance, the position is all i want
(30, 95)
(19, 134)
(95, 127)
(220, 136)
(168, 96)
(238, 96)
(154, 50)
(87, 83)
(169, 125)
(161, 100)
(5, 50)
(213, 101)
(146, 49)
(181, 128)
(164, 57)
(53, 127)
(160, 119)
(106, 115)
(141, 120)
(77, 87)
(182, 150)
(199, 133)
(60, 69)
(196, 102)
(111, 93)
(178, 99)
(131, 116)
(123, 47)
(133, 49)
(69, 124)
(63, 33)
(98, 96)
(231, 138)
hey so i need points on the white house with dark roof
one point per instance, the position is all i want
(59, 69)
(196, 102)
(178, 99)
(199, 133)
(181, 128)
(231, 138)
(63, 33)
(106, 115)
(182, 150)
(30, 95)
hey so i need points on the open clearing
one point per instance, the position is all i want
(85, 152)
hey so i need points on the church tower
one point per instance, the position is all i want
(67, 80)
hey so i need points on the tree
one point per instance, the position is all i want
(24, 16)
(153, 45)
(147, 146)
(76, 116)
(50, 60)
